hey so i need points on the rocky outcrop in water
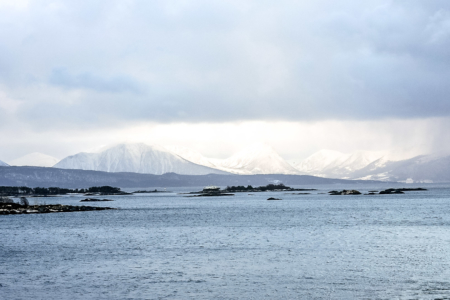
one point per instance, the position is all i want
(94, 200)
(16, 209)
(392, 191)
(345, 192)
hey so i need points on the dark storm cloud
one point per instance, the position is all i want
(73, 61)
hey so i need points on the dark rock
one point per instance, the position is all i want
(94, 200)
(211, 195)
(345, 192)
(8, 209)
(392, 191)
(271, 198)
(411, 189)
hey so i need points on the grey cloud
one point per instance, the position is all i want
(169, 61)
(116, 84)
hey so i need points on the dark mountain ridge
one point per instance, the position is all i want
(68, 178)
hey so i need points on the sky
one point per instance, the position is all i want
(218, 75)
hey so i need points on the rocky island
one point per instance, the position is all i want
(345, 192)
(387, 191)
(17, 191)
(9, 207)
(210, 191)
(267, 188)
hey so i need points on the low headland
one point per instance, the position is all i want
(17, 191)
(9, 207)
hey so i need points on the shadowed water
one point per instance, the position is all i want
(166, 246)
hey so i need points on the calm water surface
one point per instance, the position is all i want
(166, 246)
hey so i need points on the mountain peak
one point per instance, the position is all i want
(316, 163)
(258, 158)
(137, 158)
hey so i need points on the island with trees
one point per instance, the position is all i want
(267, 188)
(211, 191)
(17, 191)
(9, 207)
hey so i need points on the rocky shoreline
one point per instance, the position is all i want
(17, 209)
(387, 191)
(95, 200)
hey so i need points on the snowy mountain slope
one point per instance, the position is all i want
(256, 159)
(191, 155)
(385, 160)
(353, 162)
(422, 168)
(317, 162)
(369, 165)
(330, 163)
(82, 160)
(35, 159)
(3, 164)
(138, 158)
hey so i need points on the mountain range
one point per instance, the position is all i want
(422, 168)
(137, 158)
(50, 177)
(155, 159)
(3, 164)
(366, 165)
(256, 159)
(334, 164)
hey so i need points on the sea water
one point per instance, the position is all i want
(168, 246)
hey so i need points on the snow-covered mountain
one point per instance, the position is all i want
(330, 163)
(422, 168)
(3, 164)
(345, 166)
(319, 161)
(256, 159)
(35, 159)
(263, 159)
(382, 166)
(191, 155)
(138, 158)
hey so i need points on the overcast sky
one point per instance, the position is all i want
(216, 75)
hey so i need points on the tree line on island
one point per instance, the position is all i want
(269, 187)
(9, 207)
(53, 191)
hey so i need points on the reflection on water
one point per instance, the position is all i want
(166, 246)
